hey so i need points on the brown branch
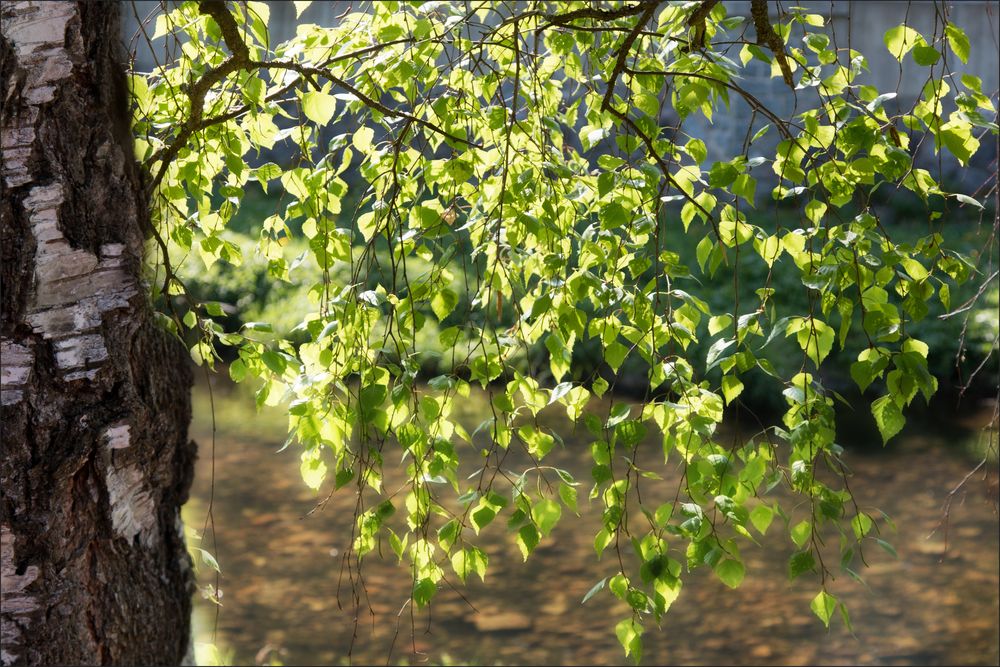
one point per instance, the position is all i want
(196, 94)
(623, 53)
(664, 168)
(227, 24)
(369, 102)
(235, 113)
(584, 13)
(766, 36)
(240, 59)
(750, 99)
(197, 91)
(599, 14)
(697, 21)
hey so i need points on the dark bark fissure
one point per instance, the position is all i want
(95, 459)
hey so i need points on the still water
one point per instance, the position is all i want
(937, 603)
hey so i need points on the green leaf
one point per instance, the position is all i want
(816, 339)
(237, 370)
(443, 302)
(208, 559)
(313, 470)
(568, 495)
(274, 361)
(663, 514)
(900, 40)
(815, 210)
(731, 572)
(447, 534)
(703, 251)
(470, 560)
(800, 563)
(731, 388)
(889, 549)
(958, 41)
(539, 443)
(594, 590)
(423, 591)
(619, 586)
(601, 541)
(615, 354)
(761, 517)
(823, 605)
(527, 540)
(846, 617)
(629, 634)
(619, 413)
(343, 477)
(395, 543)
(362, 139)
(318, 107)
(718, 322)
(605, 183)
(482, 517)
(560, 356)
(667, 589)
(546, 514)
(888, 417)
(801, 532)
(925, 56)
(861, 524)
(862, 373)
(614, 216)
(697, 149)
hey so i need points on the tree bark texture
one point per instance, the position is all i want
(95, 459)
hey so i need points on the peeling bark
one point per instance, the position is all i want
(95, 459)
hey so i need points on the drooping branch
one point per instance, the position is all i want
(240, 59)
(664, 168)
(197, 91)
(371, 103)
(754, 102)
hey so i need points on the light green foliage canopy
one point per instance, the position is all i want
(519, 175)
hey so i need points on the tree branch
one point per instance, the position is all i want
(599, 14)
(623, 53)
(369, 102)
(197, 91)
(240, 59)
(697, 21)
(664, 168)
(227, 24)
(750, 99)
(766, 36)
(584, 13)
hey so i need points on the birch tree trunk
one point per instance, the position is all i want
(95, 459)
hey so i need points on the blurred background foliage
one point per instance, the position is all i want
(963, 347)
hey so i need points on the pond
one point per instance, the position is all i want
(937, 603)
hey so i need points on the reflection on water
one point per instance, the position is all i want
(282, 567)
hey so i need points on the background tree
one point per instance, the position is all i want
(96, 398)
